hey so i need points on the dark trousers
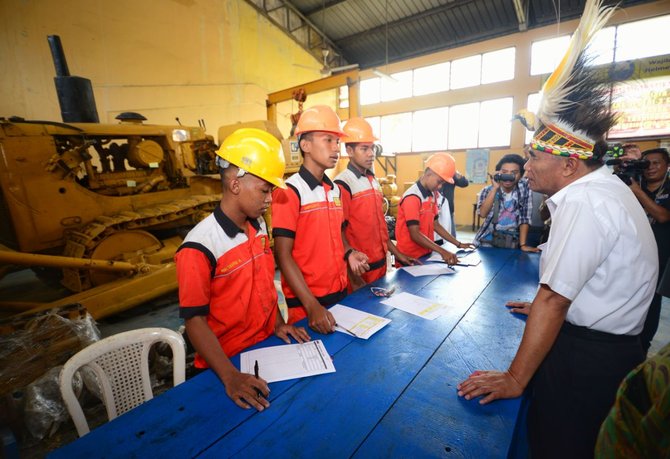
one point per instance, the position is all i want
(574, 389)
(651, 323)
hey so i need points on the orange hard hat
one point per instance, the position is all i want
(358, 130)
(444, 165)
(319, 118)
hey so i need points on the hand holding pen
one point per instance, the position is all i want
(259, 394)
(247, 391)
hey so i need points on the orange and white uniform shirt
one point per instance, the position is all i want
(365, 225)
(228, 277)
(417, 207)
(310, 212)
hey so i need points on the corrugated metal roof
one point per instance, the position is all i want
(361, 29)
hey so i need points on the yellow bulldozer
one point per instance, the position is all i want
(101, 208)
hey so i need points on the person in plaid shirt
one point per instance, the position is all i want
(515, 204)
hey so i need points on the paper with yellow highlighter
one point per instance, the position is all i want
(357, 323)
(419, 306)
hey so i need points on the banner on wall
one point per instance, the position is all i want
(477, 165)
(643, 107)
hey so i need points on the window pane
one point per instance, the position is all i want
(429, 129)
(498, 65)
(398, 89)
(495, 122)
(466, 72)
(431, 79)
(532, 106)
(601, 48)
(463, 125)
(546, 54)
(643, 38)
(396, 131)
(370, 91)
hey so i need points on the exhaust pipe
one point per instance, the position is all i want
(75, 94)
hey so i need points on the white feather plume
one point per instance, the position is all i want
(556, 89)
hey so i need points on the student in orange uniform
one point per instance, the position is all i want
(365, 225)
(417, 212)
(307, 220)
(225, 268)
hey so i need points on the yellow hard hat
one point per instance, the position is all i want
(444, 165)
(256, 152)
(358, 130)
(319, 118)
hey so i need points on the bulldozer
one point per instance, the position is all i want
(101, 207)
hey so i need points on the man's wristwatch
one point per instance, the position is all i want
(347, 253)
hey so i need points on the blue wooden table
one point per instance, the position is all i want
(393, 395)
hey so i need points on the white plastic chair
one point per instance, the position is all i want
(121, 365)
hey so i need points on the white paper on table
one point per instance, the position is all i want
(357, 323)
(290, 361)
(417, 305)
(464, 252)
(469, 259)
(429, 269)
(434, 256)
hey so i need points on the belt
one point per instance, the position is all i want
(578, 331)
(377, 264)
(325, 300)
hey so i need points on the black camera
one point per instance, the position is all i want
(627, 169)
(504, 177)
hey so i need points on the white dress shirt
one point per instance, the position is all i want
(601, 254)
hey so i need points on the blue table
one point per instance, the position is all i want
(393, 395)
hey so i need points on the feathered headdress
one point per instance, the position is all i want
(574, 111)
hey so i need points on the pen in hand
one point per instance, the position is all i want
(347, 330)
(259, 394)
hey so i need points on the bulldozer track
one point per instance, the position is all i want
(82, 242)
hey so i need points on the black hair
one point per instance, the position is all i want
(512, 158)
(662, 151)
(305, 136)
(600, 149)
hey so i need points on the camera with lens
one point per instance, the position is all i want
(504, 177)
(625, 167)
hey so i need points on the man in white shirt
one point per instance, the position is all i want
(598, 272)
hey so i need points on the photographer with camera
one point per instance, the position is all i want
(506, 206)
(653, 192)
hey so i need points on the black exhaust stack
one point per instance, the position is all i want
(75, 94)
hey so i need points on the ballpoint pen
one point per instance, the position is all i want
(258, 391)
(347, 330)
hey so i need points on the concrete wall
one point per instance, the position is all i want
(194, 59)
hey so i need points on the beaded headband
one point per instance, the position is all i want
(551, 138)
